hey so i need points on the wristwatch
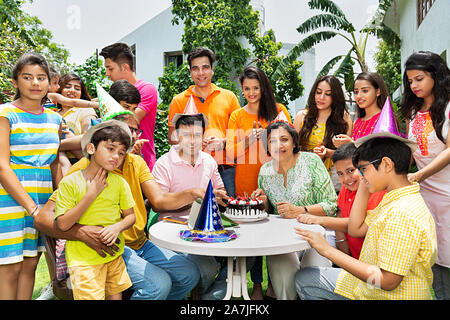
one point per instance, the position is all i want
(306, 210)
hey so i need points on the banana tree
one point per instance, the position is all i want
(335, 19)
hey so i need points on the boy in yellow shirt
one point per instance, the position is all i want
(96, 196)
(400, 243)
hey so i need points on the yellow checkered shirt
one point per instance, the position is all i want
(401, 239)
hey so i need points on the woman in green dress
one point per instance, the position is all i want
(292, 183)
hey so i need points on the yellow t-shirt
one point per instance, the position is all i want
(401, 239)
(104, 210)
(135, 171)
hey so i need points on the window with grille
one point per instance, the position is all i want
(423, 6)
(175, 57)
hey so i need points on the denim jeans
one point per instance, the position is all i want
(441, 282)
(228, 180)
(317, 283)
(159, 274)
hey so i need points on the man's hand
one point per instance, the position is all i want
(137, 147)
(90, 235)
(197, 193)
(221, 195)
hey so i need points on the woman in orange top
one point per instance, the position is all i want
(245, 128)
(246, 125)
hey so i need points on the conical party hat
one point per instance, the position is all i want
(386, 121)
(208, 226)
(281, 117)
(386, 127)
(189, 110)
(108, 107)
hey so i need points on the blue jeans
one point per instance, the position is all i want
(317, 283)
(441, 282)
(228, 180)
(159, 274)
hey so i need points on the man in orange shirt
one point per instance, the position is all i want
(216, 103)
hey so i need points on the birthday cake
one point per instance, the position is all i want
(245, 208)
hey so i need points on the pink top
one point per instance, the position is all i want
(149, 103)
(174, 174)
(362, 128)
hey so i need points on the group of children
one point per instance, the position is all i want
(386, 238)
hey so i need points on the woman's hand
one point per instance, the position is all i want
(287, 210)
(415, 177)
(309, 219)
(256, 134)
(341, 139)
(321, 151)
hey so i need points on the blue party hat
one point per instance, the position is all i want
(208, 226)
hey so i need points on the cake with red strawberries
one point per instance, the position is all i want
(245, 207)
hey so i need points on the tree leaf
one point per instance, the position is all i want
(328, 66)
(326, 20)
(301, 47)
(327, 6)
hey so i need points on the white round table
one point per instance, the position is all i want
(271, 236)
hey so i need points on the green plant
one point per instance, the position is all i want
(388, 60)
(334, 18)
(92, 71)
(162, 145)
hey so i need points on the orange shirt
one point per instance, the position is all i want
(249, 160)
(217, 107)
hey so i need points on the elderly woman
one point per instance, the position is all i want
(292, 183)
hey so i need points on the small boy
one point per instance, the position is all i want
(96, 196)
(400, 244)
(349, 179)
(125, 94)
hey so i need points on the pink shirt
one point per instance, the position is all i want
(174, 174)
(149, 103)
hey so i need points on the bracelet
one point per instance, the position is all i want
(306, 210)
(34, 211)
(341, 240)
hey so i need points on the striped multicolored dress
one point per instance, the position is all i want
(34, 142)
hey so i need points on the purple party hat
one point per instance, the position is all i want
(208, 226)
(386, 121)
(386, 127)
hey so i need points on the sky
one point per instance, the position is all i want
(83, 26)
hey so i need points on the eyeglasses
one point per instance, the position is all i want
(136, 131)
(365, 165)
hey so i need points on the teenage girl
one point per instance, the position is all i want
(30, 138)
